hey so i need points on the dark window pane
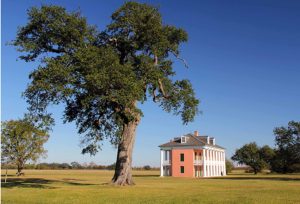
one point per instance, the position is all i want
(181, 157)
(182, 169)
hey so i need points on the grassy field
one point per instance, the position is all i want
(91, 186)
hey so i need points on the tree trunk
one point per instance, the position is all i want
(19, 171)
(255, 171)
(123, 175)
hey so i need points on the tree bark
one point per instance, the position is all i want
(19, 171)
(255, 171)
(123, 175)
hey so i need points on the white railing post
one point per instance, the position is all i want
(204, 163)
(224, 163)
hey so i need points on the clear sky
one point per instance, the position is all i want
(244, 63)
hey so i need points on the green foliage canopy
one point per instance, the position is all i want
(254, 156)
(287, 140)
(22, 141)
(101, 76)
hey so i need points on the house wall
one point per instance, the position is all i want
(188, 162)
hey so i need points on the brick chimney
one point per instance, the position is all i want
(196, 133)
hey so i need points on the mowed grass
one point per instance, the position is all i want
(92, 186)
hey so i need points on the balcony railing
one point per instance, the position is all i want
(198, 162)
(166, 162)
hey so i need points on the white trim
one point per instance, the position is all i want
(161, 163)
(183, 141)
(193, 147)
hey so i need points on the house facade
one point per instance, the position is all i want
(192, 155)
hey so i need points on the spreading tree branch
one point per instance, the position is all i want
(161, 86)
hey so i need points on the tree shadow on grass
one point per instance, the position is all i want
(106, 184)
(27, 183)
(8, 175)
(258, 178)
(38, 183)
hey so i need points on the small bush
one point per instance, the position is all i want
(147, 167)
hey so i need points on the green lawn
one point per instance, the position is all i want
(91, 186)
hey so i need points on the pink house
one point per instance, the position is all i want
(192, 155)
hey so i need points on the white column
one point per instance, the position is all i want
(219, 162)
(207, 170)
(215, 163)
(204, 163)
(215, 169)
(224, 164)
(208, 163)
(161, 162)
(215, 155)
(211, 163)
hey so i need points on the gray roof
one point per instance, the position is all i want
(191, 140)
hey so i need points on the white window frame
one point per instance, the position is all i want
(183, 141)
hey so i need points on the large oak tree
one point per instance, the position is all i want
(102, 77)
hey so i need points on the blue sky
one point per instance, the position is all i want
(244, 63)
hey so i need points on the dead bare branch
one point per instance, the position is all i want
(181, 59)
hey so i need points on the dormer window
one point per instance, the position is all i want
(183, 139)
(212, 141)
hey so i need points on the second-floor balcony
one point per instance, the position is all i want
(166, 162)
(198, 162)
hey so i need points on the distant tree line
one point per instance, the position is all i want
(72, 165)
(284, 158)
